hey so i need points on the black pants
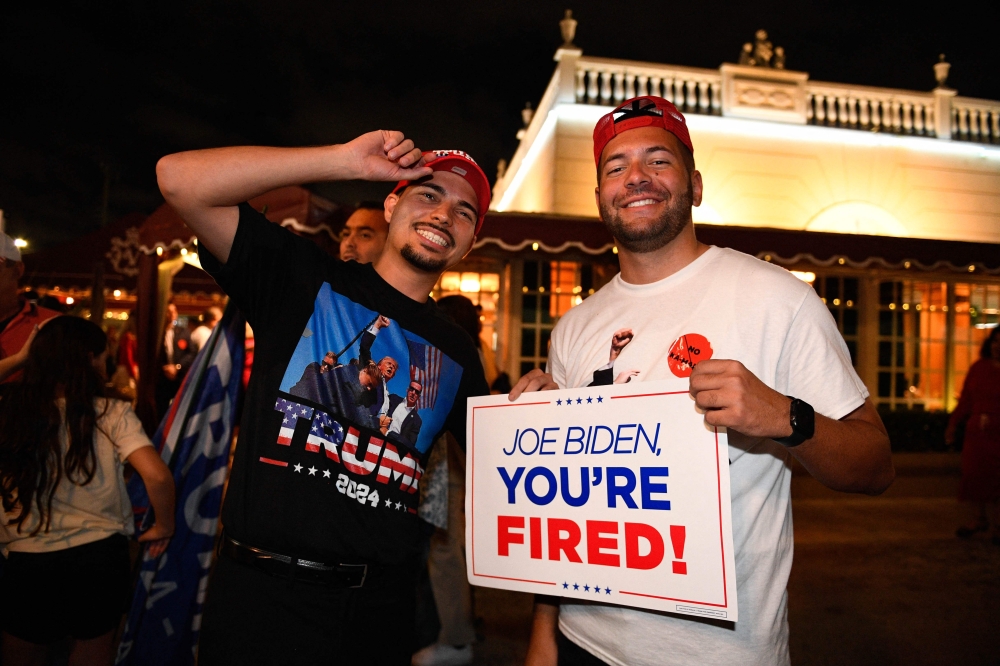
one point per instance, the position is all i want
(251, 617)
(78, 592)
(571, 654)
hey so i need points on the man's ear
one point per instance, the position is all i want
(19, 267)
(472, 245)
(597, 199)
(390, 205)
(696, 188)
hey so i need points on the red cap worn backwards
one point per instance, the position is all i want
(646, 111)
(462, 164)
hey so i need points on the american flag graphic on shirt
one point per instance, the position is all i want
(292, 411)
(425, 367)
(327, 434)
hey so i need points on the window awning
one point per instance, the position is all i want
(554, 234)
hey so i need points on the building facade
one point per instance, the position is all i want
(886, 201)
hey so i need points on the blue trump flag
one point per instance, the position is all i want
(194, 440)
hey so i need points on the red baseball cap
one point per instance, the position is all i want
(646, 111)
(460, 163)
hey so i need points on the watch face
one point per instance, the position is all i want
(803, 419)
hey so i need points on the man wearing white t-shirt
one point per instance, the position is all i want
(402, 422)
(765, 361)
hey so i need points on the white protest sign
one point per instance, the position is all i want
(617, 494)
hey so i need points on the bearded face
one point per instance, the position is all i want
(424, 262)
(648, 234)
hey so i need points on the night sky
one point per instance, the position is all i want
(94, 93)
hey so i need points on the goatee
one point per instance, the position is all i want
(418, 261)
(656, 233)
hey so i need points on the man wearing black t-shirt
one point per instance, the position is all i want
(319, 555)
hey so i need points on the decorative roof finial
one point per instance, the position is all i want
(941, 68)
(568, 28)
(527, 113)
(762, 53)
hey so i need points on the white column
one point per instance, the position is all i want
(605, 87)
(567, 59)
(641, 85)
(592, 87)
(942, 112)
(619, 87)
(630, 86)
(703, 104)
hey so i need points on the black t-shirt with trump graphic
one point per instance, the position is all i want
(352, 383)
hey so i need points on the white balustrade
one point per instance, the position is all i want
(878, 109)
(609, 82)
(975, 120)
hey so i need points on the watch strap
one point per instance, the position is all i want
(802, 418)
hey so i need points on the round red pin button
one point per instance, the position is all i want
(688, 351)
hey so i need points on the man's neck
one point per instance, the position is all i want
(649, 267)
(404, 277)
(10, 308)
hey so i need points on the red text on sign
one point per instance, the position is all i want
(601, 542)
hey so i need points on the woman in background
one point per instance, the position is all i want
(66, 514)
(979, 408)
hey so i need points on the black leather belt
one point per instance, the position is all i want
(285, 566)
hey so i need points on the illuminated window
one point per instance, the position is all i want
(483, 289)
(912, 345)
(977, 311)
(550, 289)
(841, 297)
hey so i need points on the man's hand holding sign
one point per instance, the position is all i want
(617, 493)
(755, 357)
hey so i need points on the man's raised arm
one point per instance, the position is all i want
(205, 186)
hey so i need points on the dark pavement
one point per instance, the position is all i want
(876, 580)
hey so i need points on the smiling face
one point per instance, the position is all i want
(432, 223)
(645, 191)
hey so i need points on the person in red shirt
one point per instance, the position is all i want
(18, 316)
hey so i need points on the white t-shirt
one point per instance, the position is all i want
(776, 325)
(398, 416)
(199, 337)
(83, 514)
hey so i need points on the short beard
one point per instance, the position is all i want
(426, 264)
(658, 232)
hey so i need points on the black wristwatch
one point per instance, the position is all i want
(803, 421)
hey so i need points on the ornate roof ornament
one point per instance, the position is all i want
(568, 28)
(762, 53)
(941, 69)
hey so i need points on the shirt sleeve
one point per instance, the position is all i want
(126, 431)
(554, 366)
(267, 265)
(815, 364)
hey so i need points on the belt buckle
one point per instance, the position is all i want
(364, 575)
